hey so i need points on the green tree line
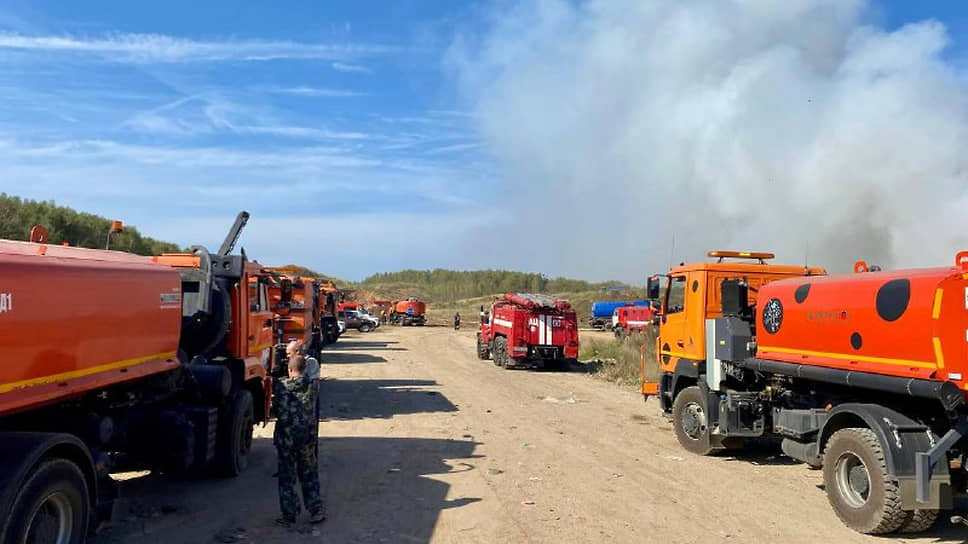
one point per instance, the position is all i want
(451, 285)
(64, 224)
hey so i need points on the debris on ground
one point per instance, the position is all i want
(568, 400)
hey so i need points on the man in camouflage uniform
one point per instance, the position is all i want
(295, 438)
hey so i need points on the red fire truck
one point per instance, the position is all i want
(527, 329)
(631, 318)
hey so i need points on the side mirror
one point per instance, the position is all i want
(652, 288)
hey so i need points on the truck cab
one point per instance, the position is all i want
(692, 294)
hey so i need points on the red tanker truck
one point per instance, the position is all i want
(526, 329)
(864, 375)
(129, 363)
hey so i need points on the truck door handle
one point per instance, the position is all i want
(680, 343)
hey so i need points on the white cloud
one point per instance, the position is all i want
(452, 148)
(409, 213)
(303, 132)
(197, 114)
(345, 67)
(394, 240)
(143, 48)
(317, 91)
(731, 123)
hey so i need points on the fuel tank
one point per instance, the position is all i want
(907, 323)
(74, 320)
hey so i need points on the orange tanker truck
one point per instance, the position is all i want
(128, 363)
(411, 311)
(864, 375)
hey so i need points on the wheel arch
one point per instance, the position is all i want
(685, 375)
(899, 435)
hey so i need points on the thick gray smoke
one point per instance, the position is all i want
(790, 126)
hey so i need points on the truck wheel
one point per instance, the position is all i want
(482, 352)
(53, 506)
(235, 436)
(919, 520)
(690, 422)
(862, 493)
(501, 351)
(365, 327)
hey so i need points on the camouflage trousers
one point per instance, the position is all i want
(299, 464)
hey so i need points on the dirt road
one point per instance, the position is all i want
(425, 443)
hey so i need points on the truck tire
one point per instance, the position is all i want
(365, 327)
(863, 495)
(53, 506)
(919, 520)
(690, 423)
(235, 436)
(501, 351)
(483, 353)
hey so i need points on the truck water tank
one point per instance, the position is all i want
(605, 308)
(74, 320)
(411, 307)
(909, 323)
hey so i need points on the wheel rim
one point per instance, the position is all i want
(693, 421)
(52, 522)
(852, 479)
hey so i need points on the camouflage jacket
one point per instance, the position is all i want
(295, 403)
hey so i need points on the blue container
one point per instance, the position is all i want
(605, 308)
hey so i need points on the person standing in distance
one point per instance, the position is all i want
(295, 439)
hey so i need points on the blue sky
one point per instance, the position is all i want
(341, 126)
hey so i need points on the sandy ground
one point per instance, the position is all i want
(423, 442)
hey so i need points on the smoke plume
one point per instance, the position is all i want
(800, 127)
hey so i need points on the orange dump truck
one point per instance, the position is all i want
(296, 304)
(864, 375)
(111, 362)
